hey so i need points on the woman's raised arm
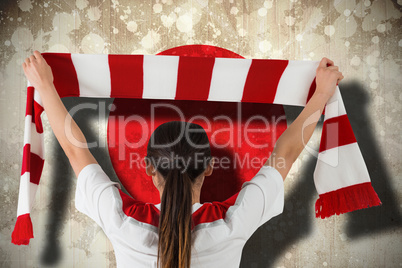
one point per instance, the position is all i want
(67, 132)
(293, 140)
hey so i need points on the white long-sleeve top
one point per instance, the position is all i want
(221, 228)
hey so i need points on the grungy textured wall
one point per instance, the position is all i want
(362, 37)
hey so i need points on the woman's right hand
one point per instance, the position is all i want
(327, 77)
(37, 71)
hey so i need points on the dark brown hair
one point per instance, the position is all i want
(180, 152)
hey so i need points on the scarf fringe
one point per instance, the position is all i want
(346, 199)
(23, 230)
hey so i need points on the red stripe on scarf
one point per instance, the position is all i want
(143, 212)
(26, 156)
(259, 89)
(34, 109)
(38, 109)
(194, 78)
(311, 90)
(30, 99)
(336, 132)
(65, 76)
(210, 212)
(126, 75)
(31, 163)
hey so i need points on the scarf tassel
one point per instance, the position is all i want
(23, 230)
(346, 199)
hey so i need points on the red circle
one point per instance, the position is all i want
(130, 125)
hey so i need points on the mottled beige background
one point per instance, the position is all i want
(362, 37)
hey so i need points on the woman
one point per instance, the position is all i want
(180, 231)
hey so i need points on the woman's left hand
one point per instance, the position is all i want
(37, 71)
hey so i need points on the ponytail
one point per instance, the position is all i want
(167, 144)
(175, 221)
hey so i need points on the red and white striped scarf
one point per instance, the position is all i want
(341, 176)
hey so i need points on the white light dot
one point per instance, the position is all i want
(92, 43)
(299, 37)
(346, 12)
(262, 12)
(289, 20)
(325, 263)
(381, 28)
(81, 4)
(234, 10)
(112, 107)
(388, 119)
(265, 46)
(242, 32)
(347, 43)
(268, 4)
(355, 61)
(329, 30)
(367, 3)
(185, 23)
(157, 8)
(151, 39)
(7, 43)
(375, 39)
(132, 26)
(94, 13)
(343, 237)
(288, 255)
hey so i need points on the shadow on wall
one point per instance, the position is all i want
(62, 176)
(272, 239)
(362, 222)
